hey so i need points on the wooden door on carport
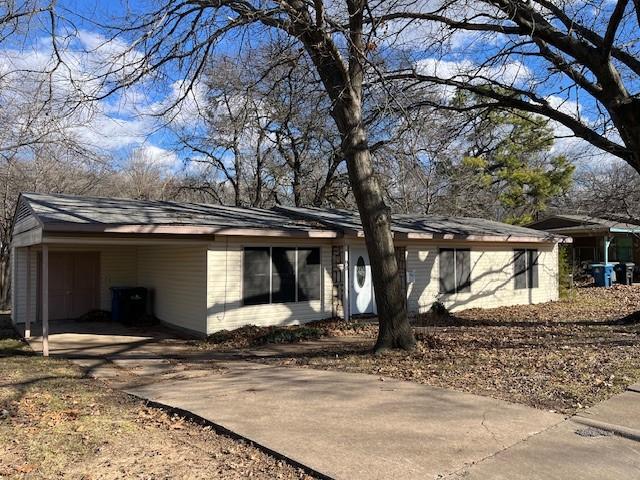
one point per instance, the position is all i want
(73, 284)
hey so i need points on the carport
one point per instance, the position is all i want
(64, 264)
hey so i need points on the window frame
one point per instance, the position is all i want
(456, 284)
(270, 275)
(529, 282)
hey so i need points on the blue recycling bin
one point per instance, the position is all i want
(602, 274)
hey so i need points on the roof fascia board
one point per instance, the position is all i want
(624, 230)
(486, 238)
(122, 240)
(187, 230)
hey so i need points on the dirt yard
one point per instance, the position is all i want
(560, 356)
(56, 424)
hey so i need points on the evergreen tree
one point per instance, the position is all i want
(510, 156)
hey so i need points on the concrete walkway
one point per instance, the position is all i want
(354, 426)
(602, 442)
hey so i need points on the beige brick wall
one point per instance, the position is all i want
(224, 288)
(492, 282)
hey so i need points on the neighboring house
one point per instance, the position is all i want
(611, 239)
(212, 267)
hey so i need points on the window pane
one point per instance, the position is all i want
(532, 261)
(255, 275)
(463, 270)
(309, 274)
(520, 268)
(447, 271)
(283, 281)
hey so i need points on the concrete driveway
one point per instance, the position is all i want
(350, 426)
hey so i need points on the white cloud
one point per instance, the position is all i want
(121, 122)
(510, 74)
(159, 156)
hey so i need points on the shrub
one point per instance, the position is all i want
(565, 273)
(288, 335)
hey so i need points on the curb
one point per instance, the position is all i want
(625, 432)
(229, 433)
(634, 388)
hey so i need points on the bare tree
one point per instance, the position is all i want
(266, 135)
(184, 33)
(577, 63)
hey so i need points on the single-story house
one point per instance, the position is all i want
(614, 238)
(213, 267)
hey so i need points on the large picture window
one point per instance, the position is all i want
(525, 263)
(281, 275)
(455, 270)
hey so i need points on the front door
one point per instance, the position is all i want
(362, 300)
(73, 284)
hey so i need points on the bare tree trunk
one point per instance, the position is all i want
(297, 187)
(626, 117)
(394, 328)
(5, 282)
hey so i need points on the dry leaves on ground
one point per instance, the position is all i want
(560, 356)
(54, 423)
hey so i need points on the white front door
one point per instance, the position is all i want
(362, 300)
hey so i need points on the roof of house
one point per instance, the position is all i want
(585, 224)
(69, 213)
(419, 226)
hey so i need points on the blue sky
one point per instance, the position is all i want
(121, 123)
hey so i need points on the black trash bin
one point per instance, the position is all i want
(128, 305)
(624, 273)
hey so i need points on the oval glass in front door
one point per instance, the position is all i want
(361, 282)
(361, 272)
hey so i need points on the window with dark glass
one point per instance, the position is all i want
(361, 272)
(455, 270)
(525, 264)
(256, 275)
(281, 275)
(309, 273)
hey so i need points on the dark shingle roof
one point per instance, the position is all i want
(435, 225)
(69, 213)
(70, 209)
(586, 223)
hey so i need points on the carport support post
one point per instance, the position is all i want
(45, 300)
(27, 318)
(607, 243)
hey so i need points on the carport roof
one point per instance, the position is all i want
(58, 212)
(69, 213)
